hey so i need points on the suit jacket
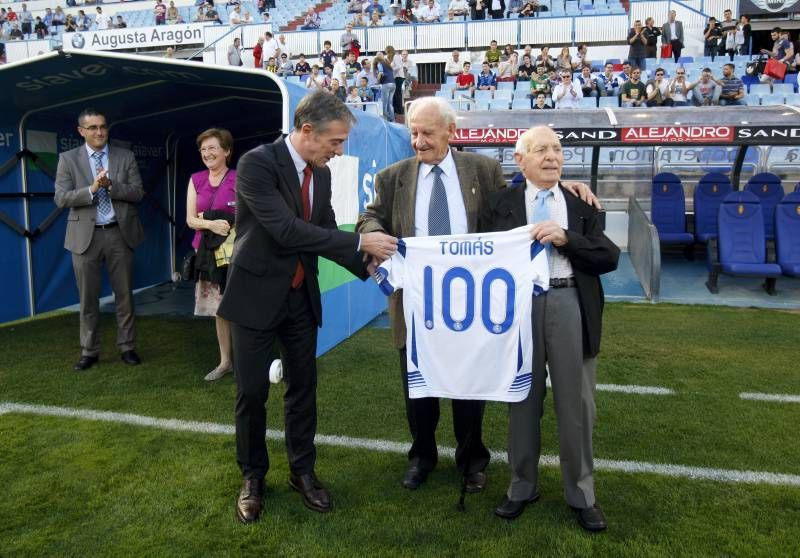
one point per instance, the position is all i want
(588, 249)
(666, 33)
(392, 211)
(271, 236)
(73, 178)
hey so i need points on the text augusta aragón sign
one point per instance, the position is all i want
(137, 37)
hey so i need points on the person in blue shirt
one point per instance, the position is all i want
(375, 7)
(486, 79)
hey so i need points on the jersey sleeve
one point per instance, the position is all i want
(390, 273)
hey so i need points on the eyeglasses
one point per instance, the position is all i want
(209, 149)
(93, 128)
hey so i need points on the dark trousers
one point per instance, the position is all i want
(296, 331)
(676, 49)
(423, 417)
(397, 100)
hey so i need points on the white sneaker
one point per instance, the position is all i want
(276, 371)
(217, 373)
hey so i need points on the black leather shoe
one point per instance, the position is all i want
(591, 519)
(315, 496)
(85, 363)
(476, 482)
(131, 358)
(249, 503)
(511, 509)
(414, 477)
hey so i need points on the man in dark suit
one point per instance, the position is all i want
(566, 323)
(101, 185)
(672, 34)
(284, 221)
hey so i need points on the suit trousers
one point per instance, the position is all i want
(423, 418)
(296, 331)
(557, 346)
(676, 49)
(107, 246)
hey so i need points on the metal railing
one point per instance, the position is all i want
(645, 250)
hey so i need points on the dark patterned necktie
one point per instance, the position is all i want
(103, 199)
(438, 212)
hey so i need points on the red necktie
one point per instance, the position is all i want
(299, 274)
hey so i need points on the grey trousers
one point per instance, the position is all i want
(107, 247)
(558, 346)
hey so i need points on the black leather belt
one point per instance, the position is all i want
(107, 226)
(562, 283)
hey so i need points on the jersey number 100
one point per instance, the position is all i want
(494, 274)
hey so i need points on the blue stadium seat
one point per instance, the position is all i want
(783, 88)
(787, 234)
(741, 247)
(791, 79)
(708, 195)
(760, 89)
(797, 187)
(752, 100)
(483, 95)
(793, 99)
(769, 190)
(685, 60)
(613, 61)
(772, 99)
(503, 85)
(521, 103)
(612, 102)
(587, 102)
(668, 210)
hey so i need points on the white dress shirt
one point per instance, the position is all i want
(455, 201)
(560, 267)
(568, 101)
(299, 166)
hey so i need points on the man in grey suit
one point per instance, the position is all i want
(101, 185)
(672, 34)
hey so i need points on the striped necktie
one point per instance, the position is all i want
(103, 199)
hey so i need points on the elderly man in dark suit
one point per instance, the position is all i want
(284, 221)
(566, 323)
(101, 185)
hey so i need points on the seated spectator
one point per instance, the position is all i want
(16, 32)
(40, 29)
(492, 55)
(430, 13)
(354, 99)
(70, 25)
(101, 22)
(526, 71)
(120, 23)
(625, 75)
(453, 66)
(706, 90)
(588, 83)
(540, 83)
(285, 68)
(540, 102)
(160, 12)
(487, 81)
(508, 50)
(213, 16)
(83, 21)
(582, 58)
(457, 8)
(358, 20)
(513, 7)
(173, 15)
(465, 80)
(302, 68)
(58, 20)
(531, 8)
(403, 18)
(272, 64)
(247, 18)
(235, 17)
(327, 58)
(311, 21)
(633, 91)
(544, 59)
(567, 94)
(365, 90)
(733, 90)
(607, 82)
(555, 79)
(315, 78)
(340, 69)
(564, 61)
(375, 20)
(265, 17)
(337, 91)
(353, 67)
(200, 15)
(354, 7)
(507, 69)
(658, 90)
(679, 88)
(416, 10)
(375, 6)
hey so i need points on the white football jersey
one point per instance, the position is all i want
(467, 305)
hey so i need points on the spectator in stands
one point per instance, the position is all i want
(25, 18)
(302, 68)
(567, 95)
(201, 14)
(70, 25)
(430, 13)
(40, 29)
(637, 41)
(633, 91)
(120, 24)
(625, 75)
(727, 42)
(540, 83)
(271, 47)
(477, 9)
(364, 90)
(743, 35)
(340, 68)
(375, 20)
(513, 7)
(526, 69)
(711, 36)
(213, 16)
(173, 15)
(607, 82)
(492, 55)
(679, 88)
(732, 90)
(353, 67)
(375, 6)
(265, 17)
(487, 81)
(416, 11)
(453, 66)
(658, 90)
(405, 73)
(582, 58)
(382, 68)
(588, 83)
(47, 18)
(235, 17)
(651, 34)
(311, 21)
(540, 102)
(354, 7)
(782, 49)
(337, 90)
(497, 8)
(58, 21)
(316, 79)
(272, 65)
(544, 59)
(209, 213)
(100, 20)
(285, 66)
(347, 39)
(16, 32)
(403, 18)
(465, 80)
(160, 12)
(706, 90)
(564, 60)
(83, 21)
(327, 58)
(457, 8)
(531, 8)
(169, 53)
(247, 18)
(283, 48)
(235, 52)
(258, 52)
(354, 99)
(508, 68)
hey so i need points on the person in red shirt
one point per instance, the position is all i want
(465, 81)
(258, 51)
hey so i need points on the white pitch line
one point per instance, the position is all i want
(630, 389)
(773, 397)
(387, 446)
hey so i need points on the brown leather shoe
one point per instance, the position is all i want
(249, 503)
(315, 496)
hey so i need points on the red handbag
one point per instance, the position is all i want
(666, 51)
(775, 69)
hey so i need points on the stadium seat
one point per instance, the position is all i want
(685, 60)
(708, 195)
(612, 102)
(499, 104)
(587, 102)
(521, 103)
(741, 247)
(668, 210)
(752, 100)
(772, 99)
(760, 89)
(787, 234)
(797, 187)
(791, 79)
(769, 190)
(749, 81)
(505, 85)
(793, 99)
(483, 95)
(783, 88)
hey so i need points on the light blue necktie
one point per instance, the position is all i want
(541, 212)
(438, 212)
(103, 199)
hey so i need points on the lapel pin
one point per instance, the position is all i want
(473, 191)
